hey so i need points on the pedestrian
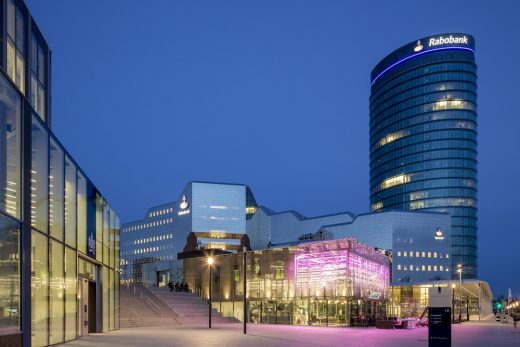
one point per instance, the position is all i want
(176, 286)
(170, 285)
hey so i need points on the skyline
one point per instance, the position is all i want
(298, 81)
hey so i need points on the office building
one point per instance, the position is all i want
(59, 238)
(423, 136)
(206, 215)
(419, 242)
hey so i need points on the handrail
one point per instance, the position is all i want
(137, 320)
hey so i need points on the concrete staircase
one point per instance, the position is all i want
(139, 308)
(189, 308)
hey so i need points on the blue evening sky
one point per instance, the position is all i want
(148, 95)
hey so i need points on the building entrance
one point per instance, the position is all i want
(88, 305)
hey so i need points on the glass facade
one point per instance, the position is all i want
(330, 283)
(9, 275)
(48, 208)
(423, 136)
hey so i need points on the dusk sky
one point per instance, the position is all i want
(148, 95)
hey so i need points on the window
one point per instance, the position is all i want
(39, 176)
(15, 45)
(10, 149)
(10, 274)
(38, 76)
(56, 190)
(70, 202)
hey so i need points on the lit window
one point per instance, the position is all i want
(411, 267)
(398, 266)
(429, 254)
(395, 180)
(441, 268)
(411, 254)
(434, 267)
(392, 137)
(448, 104)
(435, 254)
(447, 255)
(423, 268)
(398, 254)
(429, 268)
(377, 206)
(423, 254)
(405, 254)
(417, 254)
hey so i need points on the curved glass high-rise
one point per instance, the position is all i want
(423, 136)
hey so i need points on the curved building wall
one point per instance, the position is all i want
(423, 136)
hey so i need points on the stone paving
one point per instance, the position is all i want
(230, 335)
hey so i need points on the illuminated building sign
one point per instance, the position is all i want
(441, 40)
(425, 45)
(184, 206)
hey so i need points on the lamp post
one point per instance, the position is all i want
(453, 303)
(459, 270)
(210, 262)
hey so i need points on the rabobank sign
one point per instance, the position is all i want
(448, 40)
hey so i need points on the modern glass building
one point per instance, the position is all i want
(59, 238)
(207, 215)
(423, 136)
(327, 283)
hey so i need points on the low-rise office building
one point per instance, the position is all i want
(419, 241)
(59, 237)
(327, 283)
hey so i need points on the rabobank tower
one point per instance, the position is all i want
(423, 136)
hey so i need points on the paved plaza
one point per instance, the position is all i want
(230, 335)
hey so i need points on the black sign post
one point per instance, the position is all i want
(439, 326)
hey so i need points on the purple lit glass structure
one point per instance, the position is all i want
(330, 283)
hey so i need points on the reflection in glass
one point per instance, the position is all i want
(56, 190)
(70, 203)
(82, 213)
(39, 176)
(9, 273)
(40, 289)
(56, 293)
(10, 151)
(70, 293)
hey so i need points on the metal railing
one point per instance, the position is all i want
(135, 318)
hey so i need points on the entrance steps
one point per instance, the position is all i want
(139, 308)
(190, 309)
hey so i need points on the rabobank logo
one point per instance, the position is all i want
(419, 47)
(448, 40)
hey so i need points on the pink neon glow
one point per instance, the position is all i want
(342, 268)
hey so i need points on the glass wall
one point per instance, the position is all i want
(38, 76)
(56, 190)
(60, 200)
(57, 299)
(16, 44)
(70, 202)
(340, 282)
(39, 176)
(82, 213)
(10, 275)
(40, 289)
(10, 149)
(71, 293)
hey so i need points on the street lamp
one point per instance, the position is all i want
(453, 303)
(459, 270)
(210, 262)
